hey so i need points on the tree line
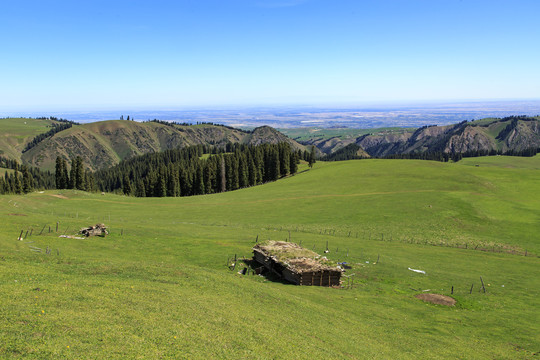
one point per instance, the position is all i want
(179, 172)
(55, 129)
(23, 179)
(457, 156)
(173, 123)
(348, 152)
(77, 177)
(185, 172)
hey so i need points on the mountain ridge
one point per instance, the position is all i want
(514, 133)
(106, 143)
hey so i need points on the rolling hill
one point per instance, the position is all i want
(159, 287)
(15, 133)
(106, 143)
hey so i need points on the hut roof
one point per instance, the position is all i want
(295, 257)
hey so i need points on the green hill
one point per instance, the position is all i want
(159, 287)
(105, 143)
(15, 133)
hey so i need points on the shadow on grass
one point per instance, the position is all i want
(252, 267)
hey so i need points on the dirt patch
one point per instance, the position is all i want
(17, 215)
(437, 299)
(59, 196)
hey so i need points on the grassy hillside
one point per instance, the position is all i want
(17, 132)
(479, 135)
(158, 286)
(313, 134)
(511, 133)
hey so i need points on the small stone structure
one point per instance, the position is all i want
(96, 230)
(296, 264)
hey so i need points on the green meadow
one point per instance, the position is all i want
(159, 285)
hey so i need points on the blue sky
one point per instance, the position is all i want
(171, 54)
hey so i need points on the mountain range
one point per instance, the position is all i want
(514, 133)
(105, 143)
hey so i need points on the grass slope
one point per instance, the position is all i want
(158, 287)
(17, 132)
(316, 133)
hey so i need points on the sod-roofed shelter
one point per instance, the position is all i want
(96, 230)
(296, 264)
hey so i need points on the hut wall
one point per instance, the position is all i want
(321, 278)
(314, 278)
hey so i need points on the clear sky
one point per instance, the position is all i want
(172, 54)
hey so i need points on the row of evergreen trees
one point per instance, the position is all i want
(185, 172)
(55, 128)
(23, 179)
(348, 152)
(444, 157)
(427, 155)
(173, 123)
(77, 178)
(528, 152)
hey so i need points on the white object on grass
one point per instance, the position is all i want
(418, 271)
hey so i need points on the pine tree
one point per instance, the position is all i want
(151, 180)
(79, 174)
(223, 175)
(59, 173)
(73, 175)
(65, 175)
(89, 181)
(235, 179)
(209, 177)
(126, 185)
(259, 165)
(139, 189)
(243, 180)
(161, 187)
(199, 182)
(274, 165)
(28, 182)
(252, 171)
(311, 160)
(17, 187)
(7, 184)
(293, 163)
(284, 161)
